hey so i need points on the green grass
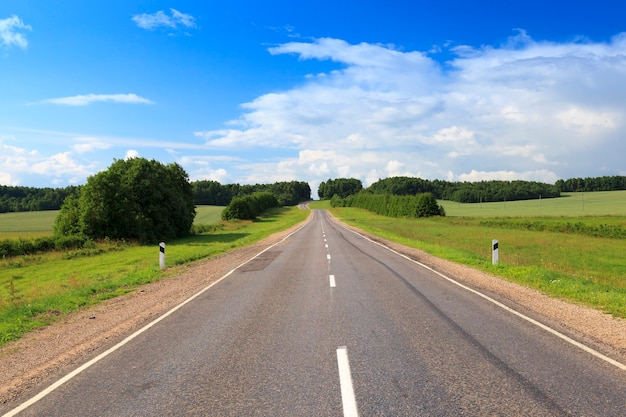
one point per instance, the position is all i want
(27, 224)
(36, 290)
(601, 203)
(572, 266)
(208, 214)
(40, 223)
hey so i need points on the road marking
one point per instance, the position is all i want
(326, 246)
(103, 355)
(550, 330)
(345, 382)
(331, 278)
(328, 256)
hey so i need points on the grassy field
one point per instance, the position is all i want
(27, 224)
(208, 214)
(569, 265)
(40, 223)
(601, 203)
(36, 290)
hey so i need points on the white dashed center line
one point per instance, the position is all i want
(345, 382)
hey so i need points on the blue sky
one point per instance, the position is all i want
(259, 92)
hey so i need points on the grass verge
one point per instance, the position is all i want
(37, 290)
(579, 268)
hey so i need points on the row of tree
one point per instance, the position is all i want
(289, 193)
(607, 183)
(215, 194)
(33, 199)
(342, 187)
(470, 192)
(420, 205)
(466, 192)
(462, 192)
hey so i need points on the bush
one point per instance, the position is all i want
(250, 206)
(422, 205)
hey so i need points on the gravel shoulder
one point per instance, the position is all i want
(48, 352)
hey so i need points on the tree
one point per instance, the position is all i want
(342, 187)
(134, 199)
(250, 206)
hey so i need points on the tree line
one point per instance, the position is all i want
(33, 199)
(469, 192)
(17, 198)
(213, 193)
(419, 205)
(466, 192)
(607, 183)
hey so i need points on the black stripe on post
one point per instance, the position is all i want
(162, 249)
(495, 246)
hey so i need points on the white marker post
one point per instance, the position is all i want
(494, 252)
(162, 255)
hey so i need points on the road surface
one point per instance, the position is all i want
(328, 323)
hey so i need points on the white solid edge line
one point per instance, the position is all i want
(345, 382)
(101, 356)
(507, 308)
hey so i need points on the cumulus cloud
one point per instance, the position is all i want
(525, 109)
(11, 32)
(130, 154)
(86, 99)
(17, 163)
(160, 19)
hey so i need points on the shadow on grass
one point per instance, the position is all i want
(210, 238)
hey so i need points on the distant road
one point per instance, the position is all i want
(328, 323)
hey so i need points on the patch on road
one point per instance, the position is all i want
(261, 262)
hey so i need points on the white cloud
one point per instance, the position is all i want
(10, 34)
(540, 176)
(521, 110)
(89, 144)
(86, 99)
(18, 163)
(130, 154)
(586, 121)
(161, 19)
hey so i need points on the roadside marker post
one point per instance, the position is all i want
(494, 252)
(162, 255)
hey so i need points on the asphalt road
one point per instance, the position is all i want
(327, 323)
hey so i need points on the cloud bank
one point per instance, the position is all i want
(526, 109)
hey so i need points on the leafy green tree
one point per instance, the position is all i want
(250, 206)
(342, 187)
(133, 199)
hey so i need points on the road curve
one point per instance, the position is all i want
(328, 323)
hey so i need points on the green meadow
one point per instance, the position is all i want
(556, 246)
(36, 290)
(600, 203)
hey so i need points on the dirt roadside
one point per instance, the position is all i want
(27, 362)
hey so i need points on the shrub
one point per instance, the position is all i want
(250, 206)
